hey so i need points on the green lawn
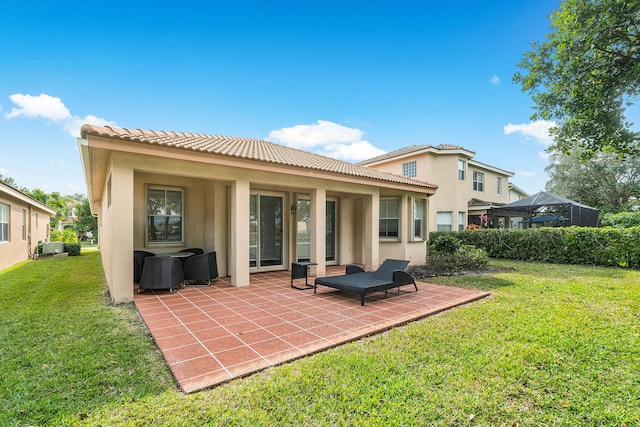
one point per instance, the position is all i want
(553, 345)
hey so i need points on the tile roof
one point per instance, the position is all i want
(247, 148)
(412, 149)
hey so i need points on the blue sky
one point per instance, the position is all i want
(350, 79)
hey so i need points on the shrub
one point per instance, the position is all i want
(621, 220)
(607, 246)
(447, 243)
(73, 249)
(466, 257)
(66, 236)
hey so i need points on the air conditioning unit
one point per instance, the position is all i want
(52, 248)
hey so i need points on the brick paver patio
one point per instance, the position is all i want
(209, 335)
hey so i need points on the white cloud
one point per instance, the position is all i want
(526, 173)
(4, 171)
(73, 126)
(59, 164)
(494, 80)
(327, 138)
(537, 131)
(544, 155)
(51, 108)
(41, 106)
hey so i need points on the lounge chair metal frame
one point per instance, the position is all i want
(389, 275)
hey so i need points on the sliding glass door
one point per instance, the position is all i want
(303, 233)
(266, 231)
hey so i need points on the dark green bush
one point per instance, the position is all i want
(466, 257)
(447, 243)
(569, 245)
(73, 249)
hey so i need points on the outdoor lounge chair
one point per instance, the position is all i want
(389, 275)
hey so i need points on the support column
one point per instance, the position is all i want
(371, 240)
(318, 231)
(239, 256)
(121, 223)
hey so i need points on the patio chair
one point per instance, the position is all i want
(138, 263)
(389, 275)
(161, 272)
(201, 268)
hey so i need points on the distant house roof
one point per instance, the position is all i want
(477, 203)
(9, 190)
(249, 149)
(442, 148)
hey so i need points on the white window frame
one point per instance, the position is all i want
(24, 224)
(182, 216)
(410, 169)
(418, 230)
(462, 170)
(462, 220)
(385, 216)
(499, 186)
(478, 181)
(444, 221)
(5, 222)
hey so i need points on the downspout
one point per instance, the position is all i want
(28, 225)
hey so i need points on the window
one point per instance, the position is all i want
(461, 220)
(462, 169)
(499, 186)
(409, 169)
(24, 224)
(389, 217)
(478, 181)
(4, 222)
(445, 221)
(164, 215)
(418, 215)
(109, 191)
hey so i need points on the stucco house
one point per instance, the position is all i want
(259, 205)
(24, 222)
(467, 189)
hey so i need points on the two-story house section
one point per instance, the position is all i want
(467, 189)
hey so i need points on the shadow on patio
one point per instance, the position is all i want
(209, 335)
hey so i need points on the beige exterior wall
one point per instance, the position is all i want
(453, 195)
(216, 213)
(36, 226)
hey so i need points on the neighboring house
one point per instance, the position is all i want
(467, 189)
(24, 222)
(70, 220)
(259, 205)
(516, 193)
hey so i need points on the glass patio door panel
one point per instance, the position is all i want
(266, 231)
(303, 228)
(331, 232)
(303, 231)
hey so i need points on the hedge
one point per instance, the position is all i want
(607, 246)
(72, 248)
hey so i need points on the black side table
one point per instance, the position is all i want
(299, 270)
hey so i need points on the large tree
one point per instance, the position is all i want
(605, 181)
(585, 74)
(86, 222)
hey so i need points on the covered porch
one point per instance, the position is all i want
(210, 335)
(258, 205)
